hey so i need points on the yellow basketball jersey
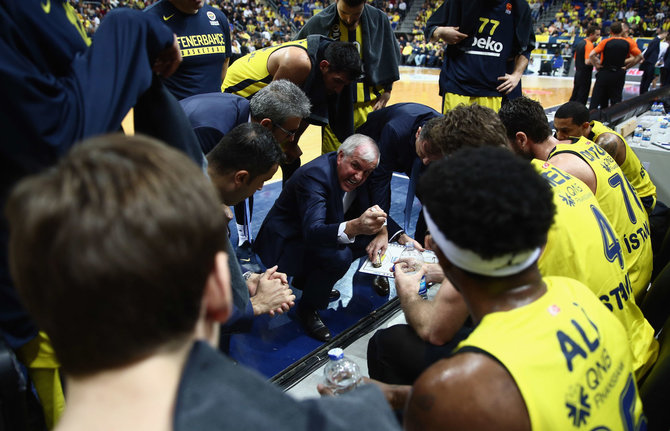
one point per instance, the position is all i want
(569, 358)
(582, 245)
(250, 73)
(632, 168)
(363, 92)
(622, 206)
(365, 96)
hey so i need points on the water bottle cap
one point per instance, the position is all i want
(336, 353)
(409, 245)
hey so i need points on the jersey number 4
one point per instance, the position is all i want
(611, 244)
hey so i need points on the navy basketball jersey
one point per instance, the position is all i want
(204, 41)
(473, 66)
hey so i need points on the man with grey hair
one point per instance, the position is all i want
(280, 106)
(322, 221)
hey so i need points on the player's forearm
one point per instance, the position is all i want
(520, 65)
(418, 313)
(442, 329)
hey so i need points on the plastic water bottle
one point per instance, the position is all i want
(414, 260)
(660, 109)
(664, 123)
(341, 373)
(654, 109)
(646, 138)
(637, 134)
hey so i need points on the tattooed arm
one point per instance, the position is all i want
(614, 146)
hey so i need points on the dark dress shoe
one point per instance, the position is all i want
(334, 295)
(312, 323)
(381, 285)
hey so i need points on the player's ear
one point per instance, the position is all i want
(324, 66)
(241, 177)
(267, 123)
(218, 295)
(521, 140)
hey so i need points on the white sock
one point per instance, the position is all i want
(241, 234)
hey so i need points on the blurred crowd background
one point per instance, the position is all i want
(256, 24)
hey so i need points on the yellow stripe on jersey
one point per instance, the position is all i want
(363, 92)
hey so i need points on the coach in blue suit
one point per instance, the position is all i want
(322, 221)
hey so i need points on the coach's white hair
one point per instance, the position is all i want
(369, 151)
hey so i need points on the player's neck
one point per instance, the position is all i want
(138, 396)
(486, 295)
(184, 9)
(543, 149)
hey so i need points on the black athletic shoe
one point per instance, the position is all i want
(334, 295)
(312, 324)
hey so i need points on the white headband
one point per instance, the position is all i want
(500, 266)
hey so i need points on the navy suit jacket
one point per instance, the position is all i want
(652, 51)
(309, 211)
(212, 115)
(394, 129)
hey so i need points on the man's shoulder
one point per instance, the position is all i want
(208, 106)
(467, 375)
(322, 164)
(406, 109)
(229, 388)
(416, 109)
(312, 176)
(206, 364)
